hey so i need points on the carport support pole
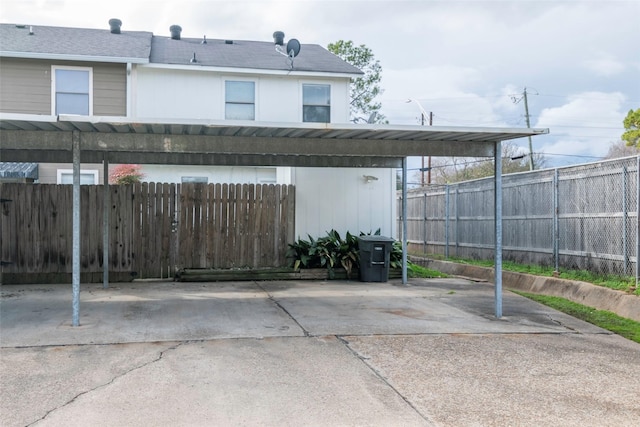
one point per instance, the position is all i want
(76, 227)
(498, 226)
(404, 221)
(106, 203)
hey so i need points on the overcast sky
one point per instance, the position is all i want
(468, 62)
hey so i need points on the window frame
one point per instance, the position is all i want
(305, 84)
(192, 179)
(255, 97)
(92, 172)
(54, 89)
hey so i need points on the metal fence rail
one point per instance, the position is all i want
(579, 217)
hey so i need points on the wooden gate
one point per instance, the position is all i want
(154, 229)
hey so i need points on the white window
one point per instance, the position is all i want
(200, 179)
(87, 177)
(316, 103)
(72, 90)
(240, 100)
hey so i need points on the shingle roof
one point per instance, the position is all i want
(15, 40)
(98, 44)
(245, 54)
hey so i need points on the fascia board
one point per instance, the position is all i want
(260, 71)
(79, 58)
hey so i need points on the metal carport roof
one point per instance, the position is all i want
(30, 138)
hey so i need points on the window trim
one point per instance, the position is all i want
(54, 68)
(94, 172)
(194, 179)
(255, 96)
(312, 83)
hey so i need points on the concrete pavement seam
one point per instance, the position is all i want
(273, 300)
(111, 381)
(383, 379)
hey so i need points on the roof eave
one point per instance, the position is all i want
(239, 70)
(78, 58)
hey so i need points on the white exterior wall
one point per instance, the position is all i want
(199, 94)
(341, 199)
(326, 198)
(214, 174)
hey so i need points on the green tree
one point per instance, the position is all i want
(632, 128)
(364, 89)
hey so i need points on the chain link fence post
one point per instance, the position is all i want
(556, 223)
(446, 221)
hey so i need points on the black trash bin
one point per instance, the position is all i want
(375, 252)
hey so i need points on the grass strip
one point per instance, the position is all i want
(419, 271)
(611, 281)
(622, 326)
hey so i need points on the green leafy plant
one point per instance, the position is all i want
(333, 251)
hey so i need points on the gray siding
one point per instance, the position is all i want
(25, 86)
(109, 90)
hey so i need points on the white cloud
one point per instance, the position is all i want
(605, 65)
(585, 125)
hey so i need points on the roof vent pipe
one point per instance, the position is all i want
(175, 31)
(278, 38)
(114, 25)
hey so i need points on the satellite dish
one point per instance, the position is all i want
(293, 48)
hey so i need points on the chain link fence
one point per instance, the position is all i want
(581, 217)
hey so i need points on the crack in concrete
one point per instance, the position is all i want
(273, 300)
(375, 372)
(111, 381)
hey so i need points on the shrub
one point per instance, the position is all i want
(125, 174)
(331, 251)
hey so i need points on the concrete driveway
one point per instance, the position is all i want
(306, 353)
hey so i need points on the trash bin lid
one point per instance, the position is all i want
(373, 238)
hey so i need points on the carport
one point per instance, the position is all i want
(72, 139)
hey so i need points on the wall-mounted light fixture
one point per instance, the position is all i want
(369, 178)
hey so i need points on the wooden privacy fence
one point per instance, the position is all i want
(154, 229)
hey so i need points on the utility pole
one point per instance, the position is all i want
(526, 115)
(423, 119)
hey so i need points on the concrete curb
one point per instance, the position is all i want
(618, 302)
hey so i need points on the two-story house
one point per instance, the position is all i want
(132, 74)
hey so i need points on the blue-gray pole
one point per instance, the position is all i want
(446, 222)
(625, 217)
(76, 228)
(637, 221)
(498, 225)
(105, 225)
(404, 221)
(556, 222)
